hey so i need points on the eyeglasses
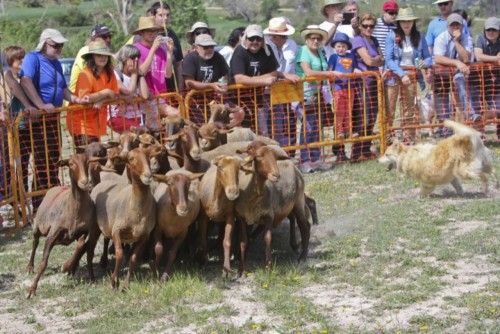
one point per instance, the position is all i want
(442, 4)
(56, 45)
(491, 30)
(106, 36)
(201, 31)
(255, 39)
(368, 26)
(392, 13)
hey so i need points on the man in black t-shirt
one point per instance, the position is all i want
(253, 63)
(203, 68)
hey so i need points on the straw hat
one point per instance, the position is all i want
(147, 23)
(98, 47)
(198, 25)
(331, 2)
(279, 26)
(314, 29)
(406, 14)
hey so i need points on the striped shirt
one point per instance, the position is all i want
(380, 32)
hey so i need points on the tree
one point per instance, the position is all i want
(187, 12)
(246, 9)
(121, 17)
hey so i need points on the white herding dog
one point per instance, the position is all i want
(461, 156)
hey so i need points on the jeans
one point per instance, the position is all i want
(309, 132)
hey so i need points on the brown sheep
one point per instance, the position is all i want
(66, 214)
(177, 206)
(126, 213)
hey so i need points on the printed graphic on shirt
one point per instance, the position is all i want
(346, 62)
(255, 68)
(207, 73)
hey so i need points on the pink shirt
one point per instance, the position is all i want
(155, 77)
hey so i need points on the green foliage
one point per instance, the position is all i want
(74, 18)
(185, 13)
(32, 3)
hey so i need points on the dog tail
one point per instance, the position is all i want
(463, 130)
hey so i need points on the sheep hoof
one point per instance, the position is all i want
(29, 269)
(31, 292)
(165, 278)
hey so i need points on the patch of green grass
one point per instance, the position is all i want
(483, 304)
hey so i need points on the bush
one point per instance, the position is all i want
(73, 18)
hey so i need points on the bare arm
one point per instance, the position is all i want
(144, 67)
(480, 56)
(442, 60)
(17, 90)
(265, 79)
(311, 73)
(369, 60)
(463, 54)
(32, 94)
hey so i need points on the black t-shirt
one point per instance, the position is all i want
(252, 64)
(202, 70)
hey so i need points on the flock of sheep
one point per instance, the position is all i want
(142, 193)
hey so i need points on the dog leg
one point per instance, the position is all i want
(425, 190)
(484, 180)
(458, 187)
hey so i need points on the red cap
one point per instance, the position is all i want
(390, 5)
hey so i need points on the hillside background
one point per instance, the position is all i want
(21, 22)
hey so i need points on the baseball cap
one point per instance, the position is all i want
(254, 30)
(492, 23)
(100, 30)
(52, 34)
(454, 18)
(390, 5)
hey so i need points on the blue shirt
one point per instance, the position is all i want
(393, 54)
(342, 64)
(444, 45)
(49, 81)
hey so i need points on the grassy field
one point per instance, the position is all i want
(382, 260)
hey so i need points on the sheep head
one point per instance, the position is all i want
(78, 165)
(138, 166)
(265, 160)
(178, 184)
(228, 168)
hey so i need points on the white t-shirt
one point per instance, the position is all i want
(227, 53)
(407, 53)
(132, 110)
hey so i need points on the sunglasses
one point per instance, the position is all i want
(368, 26)
(106, 36)
(207, 47)
(442, 4)
(491, 30)
(201, 31)
(392, 13)
(56, 45)
(255, 39)
(315, 38)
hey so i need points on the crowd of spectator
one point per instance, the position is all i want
(346, 42)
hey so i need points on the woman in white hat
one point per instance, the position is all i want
(95, 84)
(198, 28)
(311, 62)
(406, 52)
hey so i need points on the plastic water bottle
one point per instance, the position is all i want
(223, 82)
(417, 63)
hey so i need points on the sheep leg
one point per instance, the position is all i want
(118, 259)
(201, 255)
(243, 246)
(305, 232)
(36, 239)
(104, 257)
(136, 255)
(293, 236)
(311, 204)
(172, 254)
(228, 230)
(91, 243)
(49, 243)
(158, 250)
(268, 238)
(70, 265)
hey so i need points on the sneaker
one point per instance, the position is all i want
(306, 168)
(475, 117)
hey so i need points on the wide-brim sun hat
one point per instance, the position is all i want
(313, 29)
(440, 1)
(198, 25)
(406, 14)
(52, 34)
(331, 2)
(147, 23)
(98, 47)
(279, 26)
